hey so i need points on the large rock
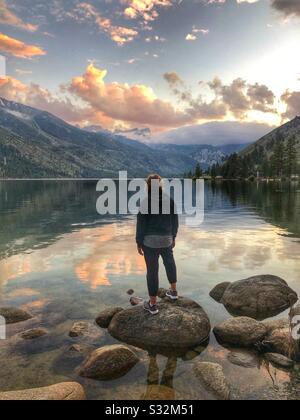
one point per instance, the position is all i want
(212, 377)
(64, 391)
(109, 362)
(276, 324)
(179, 325)
(14, 315)
(105, 317)
(240, 332)
(294, 317)
(258, 297)
(279, 360)
(278, 341)
(218, 291)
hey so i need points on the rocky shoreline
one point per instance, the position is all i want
(181, 330)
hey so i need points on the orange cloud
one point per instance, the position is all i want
(7, 17)
(18, 48)
(119, 34)
(122, 106)
(145, 9)
(38, 97)
(135, 104)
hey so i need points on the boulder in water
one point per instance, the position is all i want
(14, 315)
(105, 317)
(279, 360)
(65, 391)
(109, 362)
(181, 324)
(218, 291)
(240, 332)
(258, 297)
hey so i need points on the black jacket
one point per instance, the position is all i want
(157, 224)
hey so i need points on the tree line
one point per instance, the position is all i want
(282, 162)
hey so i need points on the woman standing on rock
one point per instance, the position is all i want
(155, 237)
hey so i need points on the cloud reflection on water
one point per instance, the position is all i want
(98, 255)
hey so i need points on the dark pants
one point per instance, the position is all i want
(152, 261)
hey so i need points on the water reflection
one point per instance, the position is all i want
(166, 380)
(63, 262)
(93, 255)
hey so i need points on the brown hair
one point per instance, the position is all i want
(151, 178)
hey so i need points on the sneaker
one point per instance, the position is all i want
(172, 294)
(152, 309)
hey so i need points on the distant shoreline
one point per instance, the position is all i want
(129, 178)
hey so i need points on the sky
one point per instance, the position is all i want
(157, 64)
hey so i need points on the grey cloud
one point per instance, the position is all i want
(215, 133)
(287, 7)
(173, 78)
(292, 100)
(237, 98)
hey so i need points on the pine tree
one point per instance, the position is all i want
(213, 171)
(290, 161)
(198, 171)
(278, 160)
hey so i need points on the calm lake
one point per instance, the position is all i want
(63, 262)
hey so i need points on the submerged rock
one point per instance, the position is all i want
(79, 349)
(218, 291)
(243, 359)
(179, 325)
(65, 391)
(190, 355)
(14, 315)
(85, 329)
(109, 362)
(279, 360)
(258, 297)
(240, 332)
(212, 377)
(159, 393)
(105, 317)
(75, 348)
(130, 292)
(33, 334)
(79, 329)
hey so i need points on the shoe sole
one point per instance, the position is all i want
(172, 297)
(151, 312)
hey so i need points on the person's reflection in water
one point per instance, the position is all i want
(160, 389)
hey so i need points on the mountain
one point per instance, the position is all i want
(283, 134)
(34, 143)
(275, 155)
(206, 155)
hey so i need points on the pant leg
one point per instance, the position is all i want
(152, 263)
(170, 265)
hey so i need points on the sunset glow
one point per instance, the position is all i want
(107, 63)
